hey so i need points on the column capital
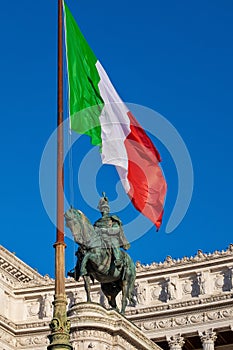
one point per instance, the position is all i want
(208, 336)
(175, 342)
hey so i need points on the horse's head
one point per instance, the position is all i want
(79, 225)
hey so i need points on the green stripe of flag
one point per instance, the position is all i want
(83, 79)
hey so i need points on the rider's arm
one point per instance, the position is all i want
(112, 231)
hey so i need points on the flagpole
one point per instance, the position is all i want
(60, 326)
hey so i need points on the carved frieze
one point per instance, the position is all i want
(7, 338)
(30, 341)
(197, 318)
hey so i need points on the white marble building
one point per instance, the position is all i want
(181, 304)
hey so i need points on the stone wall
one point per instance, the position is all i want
(179, 302)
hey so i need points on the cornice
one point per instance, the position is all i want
(199, 259)
(16, 273)
(23, 328)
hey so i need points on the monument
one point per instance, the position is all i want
(99, 255)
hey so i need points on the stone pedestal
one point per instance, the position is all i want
(94, 327)
(208, 338)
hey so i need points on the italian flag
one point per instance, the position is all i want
(96, 109)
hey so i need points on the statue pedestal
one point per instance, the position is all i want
(94, 327)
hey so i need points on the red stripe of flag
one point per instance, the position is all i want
(147, 184)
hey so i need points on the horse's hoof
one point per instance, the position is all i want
(71, 274)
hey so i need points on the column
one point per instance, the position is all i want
(208, 338)
(175, 342)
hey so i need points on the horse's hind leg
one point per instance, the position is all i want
(112, 302)
(111, 290)
(132, 297)
(128, 290)
(124, 296)
(87, 287)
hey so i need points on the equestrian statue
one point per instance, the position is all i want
(100, 256)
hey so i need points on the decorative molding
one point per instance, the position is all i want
(5, 277)
(195, 318)
(7, 338)
(32, 341)
(199, 257)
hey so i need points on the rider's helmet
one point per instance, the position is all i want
(103, 205)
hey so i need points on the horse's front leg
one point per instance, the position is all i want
(87, 287)
(83, 269)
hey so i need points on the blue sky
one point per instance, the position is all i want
(174, 57)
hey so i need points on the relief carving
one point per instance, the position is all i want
(33, 309)
(7, 338)
(213, 315)
(155, 292)
(28, 341)
(187, 287)
(47, 307)
(148, 325)
(141, 293)
(198, 318)
(218, 281)
(180, 321)
(194, 319)
(170, 289)
(201, 279)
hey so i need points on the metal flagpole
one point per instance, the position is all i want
(60, 325)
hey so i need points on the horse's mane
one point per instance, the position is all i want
(87, 236)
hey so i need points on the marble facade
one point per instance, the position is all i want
(181, 304)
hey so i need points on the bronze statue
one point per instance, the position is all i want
(99, 255)
(110, 228)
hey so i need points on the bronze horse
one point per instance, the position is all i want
(96, 261)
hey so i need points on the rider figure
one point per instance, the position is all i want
(110, 228)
